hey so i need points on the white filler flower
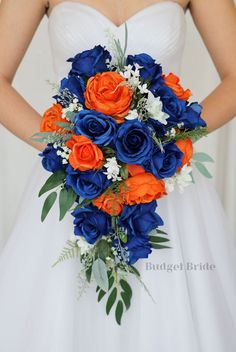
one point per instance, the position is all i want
(132, 115)
(154, 108)
(181, 179)
(113, 169)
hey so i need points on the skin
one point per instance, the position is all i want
(214, 19)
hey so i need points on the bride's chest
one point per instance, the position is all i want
(158, 30)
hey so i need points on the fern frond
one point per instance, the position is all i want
(70, 251)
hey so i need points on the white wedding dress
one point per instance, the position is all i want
(194, 310)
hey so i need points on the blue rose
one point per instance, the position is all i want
(164, 164)
(150, 70)
(138, 247)
(90, 62)
(50, 160)
(191, 118)
(158, 128)
(87, 184)
(133, 142)
(99, 128)
(172, 105)
(139, 220)
(75, 85)
(91, 223)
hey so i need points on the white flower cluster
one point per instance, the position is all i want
(132, 76)
(113, 169)
(154, 108)
(181, 179)
(75, 106)
(64, 153)
(153, 105)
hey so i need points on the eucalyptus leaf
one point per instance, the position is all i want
(66, 200)
(202, 157)
(111, 300)
(126, 287)
(63, 124)
(157, 239)
(202, 169)
(49, 201)
(53, 181)
(161, 232)
(126, 299)
(88, 273)
(99, 271)
(103, 249)
(119, 311)
(101, 295)
(158, 246)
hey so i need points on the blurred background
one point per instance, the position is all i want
(17, 159)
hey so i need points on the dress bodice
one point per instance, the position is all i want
(158, 30)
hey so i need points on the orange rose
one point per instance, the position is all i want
(108, 93)
(143, 188)
(110, 203)
(53, 114)
(186, 147)
(84, 155)
(172, 82)
(135, 169)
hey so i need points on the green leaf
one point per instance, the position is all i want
(157, 239)
(119, 311)
(43, 134)
(53, 181)
(101, 295)
(202, 157)
(88, 273)
(111, 300)
(103, 249)
(126, 287)
(49, 201)
(63, 124)
(202, 169)
(99, 271)
(124, 172)
(161, 232)
(134, 271)
(111, 281)
(123, 237)
(126, 299)
(66, 200)
(158, 246)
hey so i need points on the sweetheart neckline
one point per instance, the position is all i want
(132, 17)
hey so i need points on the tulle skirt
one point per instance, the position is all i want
(193, 284)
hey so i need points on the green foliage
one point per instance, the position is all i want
(103, 249)
(202, 157)
(119, 295)
(70, 251)
(66, 200)
(49, 201)
(56, 179)
(111, 300)
(156, 241)
(202, 169)
(119, 311)
(100, 275)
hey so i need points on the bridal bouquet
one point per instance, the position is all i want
(119, 137)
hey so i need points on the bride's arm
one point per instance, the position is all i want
(216, 22)
(19, 20)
